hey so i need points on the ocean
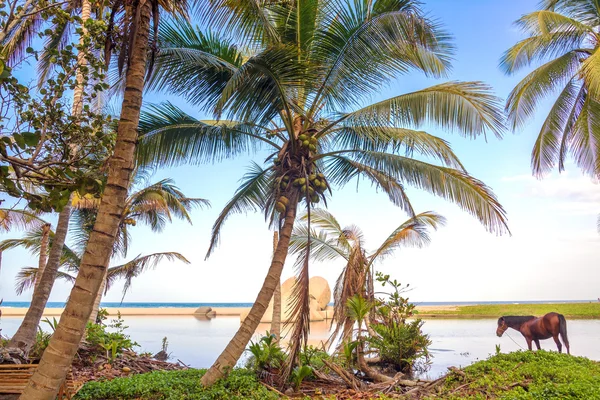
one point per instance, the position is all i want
(55, 304)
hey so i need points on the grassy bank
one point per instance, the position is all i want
(176, 385)
(569, 310)
(526, 375)
(516, 376)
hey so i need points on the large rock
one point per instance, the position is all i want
(320, 295)
(318, 288)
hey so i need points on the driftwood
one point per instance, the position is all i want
(348, 378)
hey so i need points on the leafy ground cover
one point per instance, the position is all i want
(525, 375)
(175, 385)
(569, 310)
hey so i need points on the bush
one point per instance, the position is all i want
(266, 354)
(113, 343)
(240, 384)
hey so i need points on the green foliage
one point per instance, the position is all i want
(399, 342)
(112, 342)
(240, 384)
(313, 357)
(42, 340)
(527, 375)
(266, 354)
(358, 308)
(36, 123)
(300, 373)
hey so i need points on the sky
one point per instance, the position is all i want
(551, 254)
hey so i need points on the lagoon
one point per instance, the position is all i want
(456, 342)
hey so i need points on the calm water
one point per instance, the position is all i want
(458, 343)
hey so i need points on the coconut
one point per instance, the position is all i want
(280, 207)
(313, 140)
(312, 177)
(320, 175)
(284, 200)
(301, 181)
(305, 143)
(286, 178)
(314, 198)
(312, 147)
(303, 137)
(303, 188)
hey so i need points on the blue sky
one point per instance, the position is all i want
(551, 254)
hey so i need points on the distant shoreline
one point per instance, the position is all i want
(583, 310)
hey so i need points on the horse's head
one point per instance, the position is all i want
(502, 327)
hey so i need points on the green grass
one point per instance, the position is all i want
(241, 384)
(569, 310)
(545, 375)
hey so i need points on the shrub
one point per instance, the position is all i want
(266, 354)
(113, 343)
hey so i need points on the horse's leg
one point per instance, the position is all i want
(528, 342)
(558, 344)
(537, 343)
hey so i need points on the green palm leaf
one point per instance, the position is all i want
(25, 279)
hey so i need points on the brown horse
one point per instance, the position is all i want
(536, 329)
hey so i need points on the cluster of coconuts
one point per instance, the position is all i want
(307, 141)
(315, 185)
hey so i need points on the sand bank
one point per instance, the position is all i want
(128, 311)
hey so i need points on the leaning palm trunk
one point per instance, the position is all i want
(43, 251)
(96, 309)
(24, 338)
(57, 358)
(237, 345)
(276, 319)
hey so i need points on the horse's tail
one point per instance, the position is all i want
(562, 324)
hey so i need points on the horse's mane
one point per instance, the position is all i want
(517, 319)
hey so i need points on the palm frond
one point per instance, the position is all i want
(170, 137)
(252, 195)
(553, 141)
(13, 219)
(550, 35)
(397, 140)
(192, 64)
(458, 187)
(322, 246)
(138, 265)
(590, 71)
(25, 279)
(585, 140)
(363, 52)
(467, 107)
(524, 98)
(412, 233)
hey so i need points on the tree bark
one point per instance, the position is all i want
(24, 338)
(96, 308)
(43, 253)
(276, 319)
(58, 357)
(237, 345)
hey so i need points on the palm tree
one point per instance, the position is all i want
(135, 48)
(276, 318)
(356, 279)
(153, 205)
(296, 89)
(564, 36)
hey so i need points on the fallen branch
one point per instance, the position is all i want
(271, 388)
(350, 380)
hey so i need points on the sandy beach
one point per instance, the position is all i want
(162, 311)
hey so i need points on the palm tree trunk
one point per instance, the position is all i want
(58, 357)
(24, 338)
(43, 253)
(236, 346)
(96, 308)
(276, 319)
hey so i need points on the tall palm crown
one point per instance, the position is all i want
(293, 77)
(564, 36)
(332, 241)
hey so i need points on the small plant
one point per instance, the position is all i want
(266, 354)
(313, 357)
(53, 324)
(102, 316)
(42, 340)
(497, 349)
(300, 373)
(113, 342)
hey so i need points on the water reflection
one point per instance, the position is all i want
(197, 342)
